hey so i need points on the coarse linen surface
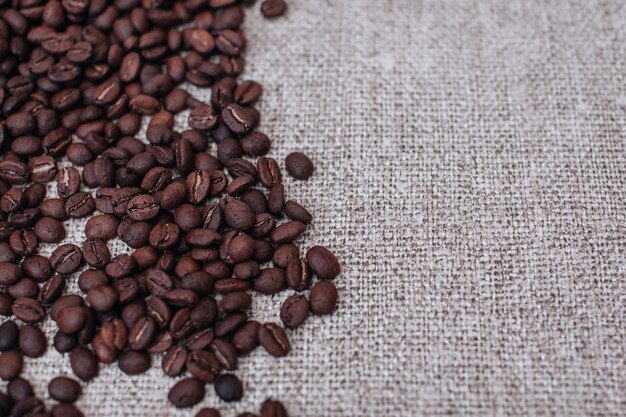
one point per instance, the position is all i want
(470, 174)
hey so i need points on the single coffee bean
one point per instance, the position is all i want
(240, 120)
(68, 182)
(28, 310)
(204, 313)
(284, 254)
(276, 200)
(181, 325)
(142, 333)
(33, 342)
(199, 340)
(71, 319)
(102, 298)
(323, 262)
(10, 273)
(181, 298)
(66, 259)
(134, 363)
(274, 339)
(238, 215)
(269, 172)
(187, 393)
(248, 92)
(298, 274)
(84, 363)
(23, 242)
(294, 311)
(12, 200)
(174, 361)
(236, 301)
(66, 410)
(199, 282)
(245, 339)
(52, 290)
(80, 205)
(255, 144)
(164, 236)
(296, 212)
(9, 335)
(25, 287)
(162, 343)
(64, 389)
(323, 298)
(247, 270)
(102, 227)
(287, 232)
(203, 365)
(11, 363)
(229, 324)
(225, 353)
(228, 387)
(208, 412)
(49, 230)
(273, 408)
(299, 166)
(18, 389)
(270, 281)
(96, 253)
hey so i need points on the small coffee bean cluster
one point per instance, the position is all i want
(77, 78)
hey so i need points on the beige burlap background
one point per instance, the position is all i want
(471, 178)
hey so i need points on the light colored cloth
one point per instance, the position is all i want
(470, 176)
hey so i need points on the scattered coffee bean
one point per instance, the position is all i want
(299, 166)
(323, 298)
(187, 393)
(228, 387)
(64, 389)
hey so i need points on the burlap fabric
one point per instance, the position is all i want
(471, 178)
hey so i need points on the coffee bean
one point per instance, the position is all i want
(142, 207)
(273, 408)
(198, 186)
(240, 120)
(276, 199)
(225, 353)
(236, 301)
(323, 262)
(274, 339)
(296, 212)
(142, 333)
(96, 253)
(269, 172)
(80, 205)
(272, 9)
(11, 363)
(33, 342)
(255, 144)
(9, 335)
(299, 166)
(245, 339)
(238, 215)
(12, 200)
(25, 287)
(64, 389)
(229, 324)
(66, 259)
(228, 387)
(323, 298)
(14, 172)
(28, 310)
(298, 274)
(102, 227)
(102, 298)
(174, 361)
(23, 242)
(18, 389)
(270, 281)
(208, 412)
(203, 365)
(284, 254)
(199, 340)
(181, 325)
(164, 236)
(181, 298)
(10, 273)
(49, 230)
(187, 393)
(71, 319)
(199, 282)
(52, 290)
(294, 311)
(287, 232)
(134, 363)
(204, 313)
(6, 304)
(66, 410)
(84, 363)
(248, 92)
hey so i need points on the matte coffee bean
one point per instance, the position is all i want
(159, 311)
(96, 253)
(181, 325)
(269, 172)
(164, 236)
(294, 311)
(240, 120)
(228, 387)
(49, 230)
(323, 298)
(52, 290)
(25, 287)
(64, 389)
(284, 254)
(142, 208)
(287, 232)
(102, 298)
(71, 319)
(6, 304)
(199, 282)
(298, 274)
(256, 200)
(323, 262)
(229, 324)
(84, 363)
(18, 389)
(208, 412)
(187, 393)
(102, 227)
(199, 340)
(33, 342)
(181, 298)
(11, 363)
(245, 339)
(14, 172)
(80, 205)
(270, 281)
(255, 144)
(238, 215)
(203, 365)
(28, 310)
(23, 242)
(273, 408)
(236, 301)
(225, 353)
(134, 363)
(66, 259)
(296, 212)
(299, 165)
(12, 200)
(274, 339)
(142, 333)
(162, 343)
(175, 360)
(10, 273)
(276, 199)
(66, 410)
(9, 335)
(204, 313)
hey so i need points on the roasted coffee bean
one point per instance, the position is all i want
(132, 313)
(121, 266)
(18, 389)
(162, 343)
(6, 304)
(66, 258)
(28, 310)
(276, 199)
(25, 287)
(203, 365)
(323, 262)
(181, 298)
(134, 363)
(12, 200)
(49, 230)
(298, 274)
(80, 205)
(187, 393)
(287, 232)
(64, 389)
(14, 172)
(225, 353)
(238, 215)
(102, 298)
(53, 207)
(174, 361)
(273, 408)
(264, 224)
(199, 282)
(199, 340)
(294, 311)
(159, 311)
(142, 333)
(158, 282)
(256, 200)
(84, 363)
(240, 120)
(204, 313)
(96, 253)
(23, 242)
(228, 387)
(229, 324)
(270, 281)
(127, 289)
(102, 227)
(269, 172)
(235, 301)
(9, 335)
(245, 339)
(296, 212)
(66, 410)
(247, 270)
(52, 290)
(323, 298)
(11, 363)
(181, 325)
(208, 412)
(33, 342)
(164, 236)
(255, 144)
(299, 165)
(248, 92)
(71, 319)
(274, 339)
(10, 273)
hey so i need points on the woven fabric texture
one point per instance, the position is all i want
(470, 176)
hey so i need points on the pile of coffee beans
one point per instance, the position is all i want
(205, 230)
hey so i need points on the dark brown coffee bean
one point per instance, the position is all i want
(225, 353)
(276, 199)
(162, 343)
(199, 340)
(80, 205)
(18, 389)
(246, 270)
(204, 313)
(203, 365)
(71, 319)
(65, 302)
(28, 310)
(64, 389)
(264, 224)
(9, 335)
(159, 311)
(23, 242)
(68, 182)
(228, 387)
(294, 311)
(236, 301)
(142, 333)
(9, 273)
(33, 342)
(229, 324)
(245, 339)
(270, 281)
(66, 410)
(174, 361)
(274, 339)
(273, 408)
(208, 412)
(156, 180)
(296, 212)
(198, 186)
(52, 290)
(92, 278)
(248, 92)
(142, 208)
(12, 200)
(181, 298)
(102, 227)
(14, 172)
(102, 298)
(199, 282)
(323, 298)
(66, 258)
(228, 149)
(269, 172)
(181, 325)
(55, 208)
(240, 120)
(164, 236)
(158, 282)
(144, 104)
(323, 262)
(230, 42)
(272, 9)
(299, 165)
(84, 363)
(287, 232)
(6, 304)
(11, 363)
(238, 215)
(298, 274)
(134, 363)
(25, 287)
(256, 200)
(256, 144)
(136, 235)
(56, 142)
(96, 253)
(187, 393)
